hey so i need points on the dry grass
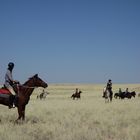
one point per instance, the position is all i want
(58, 117)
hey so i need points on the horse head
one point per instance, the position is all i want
(133, 93)
(35, 81)
(38, 82)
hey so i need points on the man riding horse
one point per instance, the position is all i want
(109, 88)
(76, 94)
(9, 97)
(9, 82)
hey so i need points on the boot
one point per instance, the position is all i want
(11, 99)
(15, 102)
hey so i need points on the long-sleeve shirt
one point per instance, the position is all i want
(8, 78)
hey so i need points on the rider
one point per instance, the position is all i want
(109, 86)
(76, 91)
(120, 91)
(9, 81)
(126, 91)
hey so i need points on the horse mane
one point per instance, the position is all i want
(34, 76)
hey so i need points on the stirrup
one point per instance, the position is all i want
(14, 106)
(11, 106)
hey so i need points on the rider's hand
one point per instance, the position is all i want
(16, 82)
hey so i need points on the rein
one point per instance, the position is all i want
(31, 87)
(27, 86)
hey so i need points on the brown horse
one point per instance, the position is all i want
(24, 92)
(76, 95)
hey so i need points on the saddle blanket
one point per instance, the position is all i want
(4, 91)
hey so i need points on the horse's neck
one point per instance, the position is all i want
(27, 91)
(27, 88)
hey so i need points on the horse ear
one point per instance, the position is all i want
(36, 75)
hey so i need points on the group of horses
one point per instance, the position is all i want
(122, 95)
(42, 95)
(25, 90)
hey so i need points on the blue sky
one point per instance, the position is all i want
(71, 41)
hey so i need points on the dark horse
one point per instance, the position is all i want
(76, 95)
(123, 95)
(24, 92)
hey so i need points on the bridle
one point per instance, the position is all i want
(31, 87)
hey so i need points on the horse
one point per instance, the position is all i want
(133, 93)
(76, 95)
(42, 95)
(129, 95)
(24, 92)
(120, 95)
(116, 95)
(123, 95)
(107, 95)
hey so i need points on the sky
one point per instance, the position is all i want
(71, 41)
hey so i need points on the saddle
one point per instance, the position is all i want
(4, 91)
(7, 98)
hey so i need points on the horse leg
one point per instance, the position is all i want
(23, 113)
(110, 98)
(106, 99)
(73, 97)
(20, 112)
